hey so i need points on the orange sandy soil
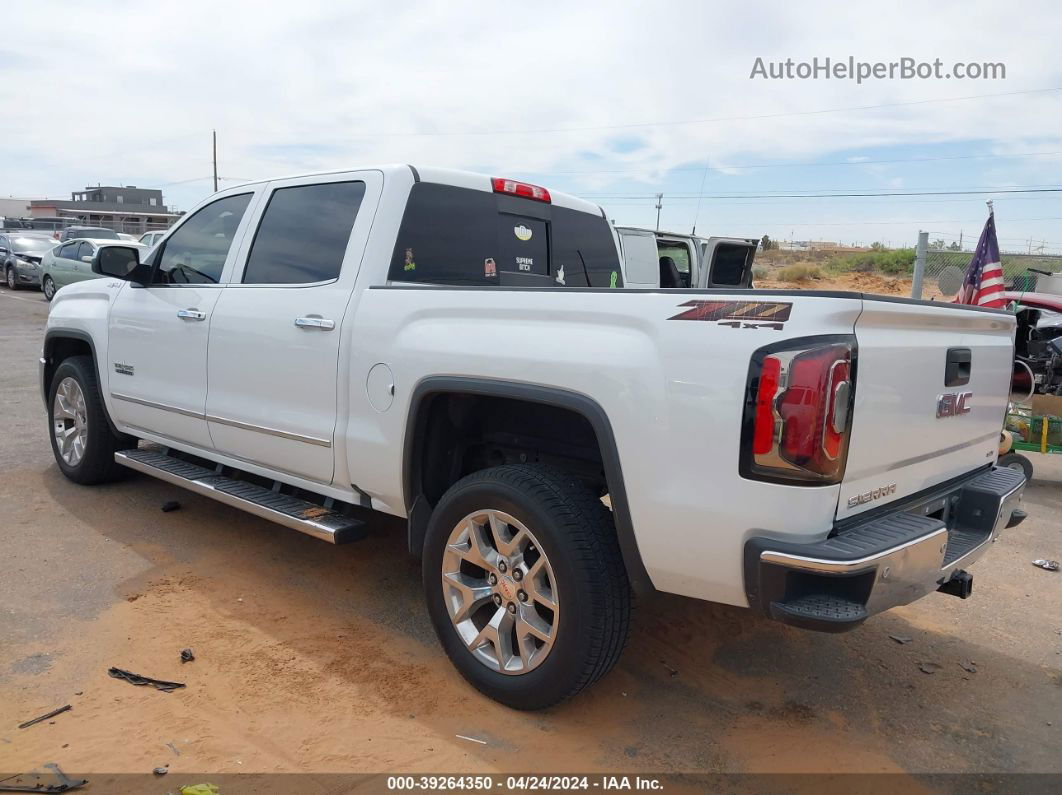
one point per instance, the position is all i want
(316, 659)
(856, 282)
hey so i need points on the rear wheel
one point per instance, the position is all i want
(525, 584)
(82, 440)
(48, 286)
(1017, 462)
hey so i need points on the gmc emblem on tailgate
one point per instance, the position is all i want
(953, 404)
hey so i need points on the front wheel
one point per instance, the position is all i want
(525, 584)
(12, 278)
(48, 286)
(82, 440)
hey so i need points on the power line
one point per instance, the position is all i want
(790, 164)
(828, 195)
(892, 223)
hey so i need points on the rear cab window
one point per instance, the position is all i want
(461, 236)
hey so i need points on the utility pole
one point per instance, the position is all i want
(960, 240)
(215, 137)
(919, 264)
(659, 204)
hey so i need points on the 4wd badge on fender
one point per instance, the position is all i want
(738, 314)
(123, 369)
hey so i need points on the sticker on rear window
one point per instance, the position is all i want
(522, 232)
(490, 270)
(410, 265)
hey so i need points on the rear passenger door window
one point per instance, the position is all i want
(303, 235)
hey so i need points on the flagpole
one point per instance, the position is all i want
(990, 210)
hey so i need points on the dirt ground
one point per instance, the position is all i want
(313, 658)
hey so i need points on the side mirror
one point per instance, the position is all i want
(87, 259)
(121, 262)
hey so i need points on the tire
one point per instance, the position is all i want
(11, 278)
(549, 516)
(48, 287)
(90, 443)
(1019, 462)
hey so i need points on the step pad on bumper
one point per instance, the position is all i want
(818, 608)
(302, 515)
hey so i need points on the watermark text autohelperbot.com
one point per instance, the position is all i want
(851, 69)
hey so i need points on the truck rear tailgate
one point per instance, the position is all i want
(917, 420)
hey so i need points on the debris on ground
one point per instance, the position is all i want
(470, 739)
(172, 505)
(137, 679)
(51, 714)
(161, 771)
(187, 655)
(929, 667)
(173, 748)
(901, 639)
(969, 666)
(1047, 565)
(199, 789)
(63, 783)
(671, 671)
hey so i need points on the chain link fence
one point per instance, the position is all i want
(944, 271)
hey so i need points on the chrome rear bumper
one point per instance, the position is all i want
(891, 558)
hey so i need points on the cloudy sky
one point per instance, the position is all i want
(614, 101)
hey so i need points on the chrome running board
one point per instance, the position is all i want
(302, 515)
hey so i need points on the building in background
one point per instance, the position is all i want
(14, 208)
(124, 209)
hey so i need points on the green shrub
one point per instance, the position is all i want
(890, 261)
(759, 273)
(800, 273)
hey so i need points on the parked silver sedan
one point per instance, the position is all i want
(20, 257)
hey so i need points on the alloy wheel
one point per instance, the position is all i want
(500, 592)
(11, 278)
(70, 421)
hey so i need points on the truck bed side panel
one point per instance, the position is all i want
(673, 390)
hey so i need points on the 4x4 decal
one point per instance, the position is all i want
(738, 314)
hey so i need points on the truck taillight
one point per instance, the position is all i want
(798, 411)
(523, 189)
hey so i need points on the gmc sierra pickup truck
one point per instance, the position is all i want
(449, 348)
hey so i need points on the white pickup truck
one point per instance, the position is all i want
(448, 348)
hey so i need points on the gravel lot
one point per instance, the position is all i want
(312, 658)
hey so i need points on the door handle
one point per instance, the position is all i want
(312, 321)
(191, 314)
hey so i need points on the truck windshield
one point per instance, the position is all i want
(679, 252)
(462, 236)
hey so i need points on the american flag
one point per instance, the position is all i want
(983, 285)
